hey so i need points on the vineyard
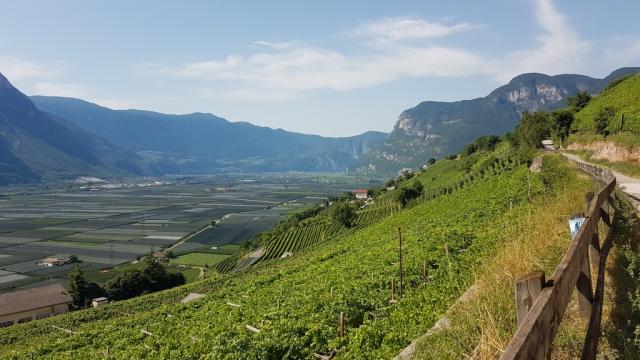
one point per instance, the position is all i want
(321, 229)
(290, 309)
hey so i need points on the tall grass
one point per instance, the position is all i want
(482, 327)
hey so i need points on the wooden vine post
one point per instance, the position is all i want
(425, 272)
(341, 324)
(401, 290)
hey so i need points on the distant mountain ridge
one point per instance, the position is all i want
(203, 143)
(435, 129)
(35, 145)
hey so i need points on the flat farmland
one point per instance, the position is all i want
(109, 227)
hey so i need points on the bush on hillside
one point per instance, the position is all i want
(602, 120)
(578, 101)
(410, 192)
(343, 213)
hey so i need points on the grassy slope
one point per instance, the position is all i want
(350, 275)
(623, 98)
(486, 323)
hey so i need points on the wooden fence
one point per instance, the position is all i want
(541, 303)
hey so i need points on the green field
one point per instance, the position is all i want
(199, 259)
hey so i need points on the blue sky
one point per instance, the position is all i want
(327, 67)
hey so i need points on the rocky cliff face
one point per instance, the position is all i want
(435, 129)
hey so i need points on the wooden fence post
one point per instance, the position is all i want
(594, 244)
(341, 324)
(528, 288)
(585, 291)
(584, 285)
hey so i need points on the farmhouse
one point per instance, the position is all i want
(361, 193)
(33, 304)
(53, 261)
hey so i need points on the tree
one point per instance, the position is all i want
(409, 193)
(563, 120)
(487, 142)
(152, 277)
(343, 213)
(82, 290)
(578, 101)
(74, 259)
(431, 161)
(469, 149)
(601, 120)
(127, 285)
(77, 286)
(533, 128)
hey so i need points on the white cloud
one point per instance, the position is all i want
(16, 69)
(306, 69)
(559, 50)
(397, 29)
(272, 45)
(285, 71)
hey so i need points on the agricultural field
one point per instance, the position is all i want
(199, 259)
(108, 227)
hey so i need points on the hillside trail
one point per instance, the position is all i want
(628, 184)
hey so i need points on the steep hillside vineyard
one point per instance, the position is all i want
(295, 302)
(319, 230)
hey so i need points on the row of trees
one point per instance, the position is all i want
(536, 126)
(150, 277)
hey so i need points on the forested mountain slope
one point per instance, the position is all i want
(203, 143)
(35, 145)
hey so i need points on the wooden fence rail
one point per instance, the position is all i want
(540, 303)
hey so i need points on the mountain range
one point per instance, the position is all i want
(46, 138)
(201, 143)
(35, 145)
(435, 129)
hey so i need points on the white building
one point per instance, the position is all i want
(361, 193)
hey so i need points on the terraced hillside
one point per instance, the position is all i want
(295, 303)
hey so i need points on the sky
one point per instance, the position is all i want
(333, 68)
